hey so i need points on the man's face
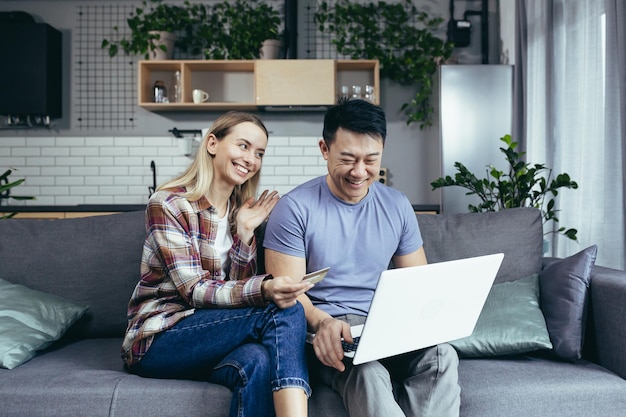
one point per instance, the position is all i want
(353, 161)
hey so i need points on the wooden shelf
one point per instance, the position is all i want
(254, 84)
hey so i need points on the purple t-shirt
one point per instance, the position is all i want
(357, 241)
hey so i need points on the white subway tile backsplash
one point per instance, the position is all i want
(69, 161)
(100, 180)
(129, 141)
(54, 151)
(38, 181)
(84, 190)
(70, 141)
(97, 161)
(21, 151)
(116, 170)
(92, 170)
(12, 162)
(53, 190)
(40, 161)
(289, 170)
(69, 181)
(126, 161)
(25, 172)
(85, 151)
(114, 151)
(40, 142)
(101, 142)
(13, 142)
(287, 150)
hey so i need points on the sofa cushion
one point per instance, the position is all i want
(564, 296)
(87, 378)
(528, 385)
(93, 261)
(516, 232)
(30, 321)
(510, 322)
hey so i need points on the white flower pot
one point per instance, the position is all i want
(167, 39)
(270, 49)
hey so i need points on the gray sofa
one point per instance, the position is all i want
(95, 261)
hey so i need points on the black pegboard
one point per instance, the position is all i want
(105, 93)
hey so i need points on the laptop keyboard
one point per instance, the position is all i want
(350, 347)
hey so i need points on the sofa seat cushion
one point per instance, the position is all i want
(87, 378)
(528, 385)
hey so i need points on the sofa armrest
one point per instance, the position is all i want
(608, 305)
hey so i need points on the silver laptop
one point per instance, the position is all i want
(423, 306)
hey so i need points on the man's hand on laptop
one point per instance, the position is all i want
(327, 342)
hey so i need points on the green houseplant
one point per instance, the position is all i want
(5, 191)
(399, 35)
(237, 30)
(150, 23)
(524, 185)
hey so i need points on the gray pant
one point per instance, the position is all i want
(416, 384)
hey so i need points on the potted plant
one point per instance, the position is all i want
(237, 30)
(399, 35)
(524, 185)
(5, 191)
(154, 28)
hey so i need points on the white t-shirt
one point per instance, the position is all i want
(223, 242)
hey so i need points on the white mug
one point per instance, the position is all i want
(200, 96)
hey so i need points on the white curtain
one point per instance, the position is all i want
(574, 114)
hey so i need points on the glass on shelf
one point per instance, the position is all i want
(369, 93)
(176, 96)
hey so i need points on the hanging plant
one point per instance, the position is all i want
(236, 30)
(399, 35)
(153, 17)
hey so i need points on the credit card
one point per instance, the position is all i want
(316, 276)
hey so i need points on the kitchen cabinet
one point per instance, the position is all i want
(255, 84)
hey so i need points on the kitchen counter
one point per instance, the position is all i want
(95, 209)
(80, 208)
(68, 212)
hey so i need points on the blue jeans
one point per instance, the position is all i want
(253, 351)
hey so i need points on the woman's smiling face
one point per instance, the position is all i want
(353, 161)
(237, 157)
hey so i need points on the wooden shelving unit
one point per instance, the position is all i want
(254, 84)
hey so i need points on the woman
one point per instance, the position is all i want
(199, 312)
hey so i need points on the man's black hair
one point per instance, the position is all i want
(356, 115)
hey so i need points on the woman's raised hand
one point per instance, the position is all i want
(253, 212)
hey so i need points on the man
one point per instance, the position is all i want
(350, 222)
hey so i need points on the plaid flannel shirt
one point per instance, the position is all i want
(181, 271)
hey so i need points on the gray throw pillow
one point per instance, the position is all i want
(30, 321)
(511, 322)
(564, 295)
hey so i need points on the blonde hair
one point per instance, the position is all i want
(198, 176)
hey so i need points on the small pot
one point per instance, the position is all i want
(167, 39)
(270, 49)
